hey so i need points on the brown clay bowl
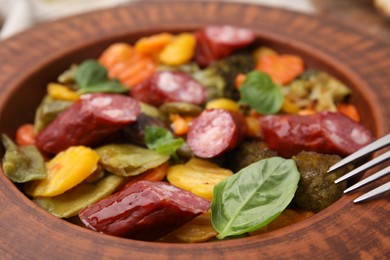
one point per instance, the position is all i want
(34, 58)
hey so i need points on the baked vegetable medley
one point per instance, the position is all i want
(190, 137)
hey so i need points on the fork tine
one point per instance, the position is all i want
(374, 146)
(381, 189)
(369, 179)
(372, 163)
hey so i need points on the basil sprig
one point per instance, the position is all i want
(162, 141)
(92, 77)
(253, 197)
(261, 93)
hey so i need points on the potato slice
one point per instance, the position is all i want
(65, 171)
(195, 231)
(197, 176)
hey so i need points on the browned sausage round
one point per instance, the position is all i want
(167, 86)
(326, 132)
(216, 42)
(89, 120)
(216, 131)
(144, 210)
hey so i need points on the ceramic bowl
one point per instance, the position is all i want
(32, 59)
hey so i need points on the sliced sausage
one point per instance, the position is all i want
(216, 42)
(144, 210)
(89, 120)
(325, 132)
(170, 86)
(216, 131)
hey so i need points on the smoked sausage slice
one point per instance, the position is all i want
(144, 210)
(87, 121)
(325, 132)
(169, 86)
(216, 131)
(216, 42)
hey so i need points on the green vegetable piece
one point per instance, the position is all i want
(129, 160)
(253, 197)
(162, 141)
(261, 94)
(71, 202)
(22, 164)
(92, 77)
(47, 111)
(90, 73)
(112, 86)
(181, 108)
(68, 76)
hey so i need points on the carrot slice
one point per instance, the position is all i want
(154, 44)
(116, 53)
(126, 64)
(281, 68)
(349, 110)
(25, 135)
(155, 174)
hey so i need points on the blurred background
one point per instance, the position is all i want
(372, 16)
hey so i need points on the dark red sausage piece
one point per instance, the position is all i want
(216, 131)
(216, 42)
(169, 86)
(144, 211)
(89, 120)
(326, 132)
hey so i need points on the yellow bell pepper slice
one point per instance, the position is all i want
(65, 171)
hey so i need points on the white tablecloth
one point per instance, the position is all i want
(17, 15)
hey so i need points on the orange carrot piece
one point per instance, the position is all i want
(154, 44)
(25, 135)
(281, 68)
(116, 53)
(126, 64)
(180, 124)
(349, 110)
(156, 174)
(142, 75)
(240, 78)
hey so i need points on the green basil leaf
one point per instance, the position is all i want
(253, 197)
(22, 164)
(162, 141)
(112, 86)
(261, 94)
(90, 73)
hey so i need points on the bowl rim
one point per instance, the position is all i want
(234, 247)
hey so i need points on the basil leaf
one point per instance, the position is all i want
(90, 73)
(254, 196)
(113, 86)
(24, 163)
(162, 141)
(261, 94)
(91, 77)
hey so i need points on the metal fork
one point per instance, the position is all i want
(376, 145)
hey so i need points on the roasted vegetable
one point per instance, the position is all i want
(246, 153)
(22, 164)
(48, 110)
(129, 160)
(229, 68)
(316, 188)
(197, 176)
(66, 170)
(71, 202)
